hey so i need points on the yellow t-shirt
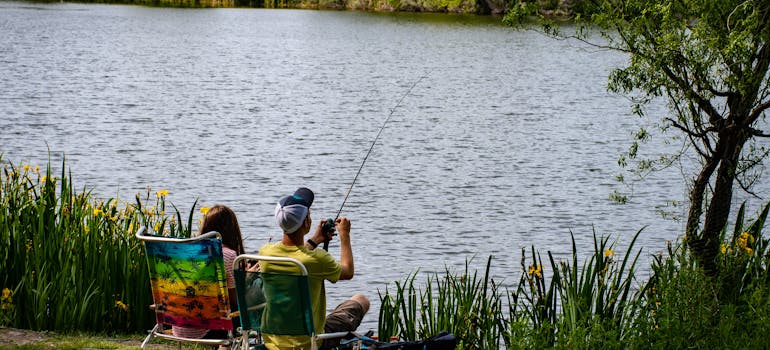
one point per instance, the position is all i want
(320, 266)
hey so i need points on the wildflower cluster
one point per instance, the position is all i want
(6, 307)
(743, 244)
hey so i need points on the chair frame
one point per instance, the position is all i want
(314, 338)
(157, 331)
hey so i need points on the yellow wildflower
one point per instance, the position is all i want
(29, 245)
(7, 294)
(749, 251)
(121, 305)
(131, 227)
(162, 193)
(37, 169)
(723, 248)
(98, 212)
(609, 252)
(535, 270)
(157, 226)
(26, 168)
(205, 210)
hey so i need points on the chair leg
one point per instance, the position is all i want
(149, 336)
(245, 340)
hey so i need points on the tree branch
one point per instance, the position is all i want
(757, 111)
(746, 187)
(714, 117)
(759, 71)
(758, 133)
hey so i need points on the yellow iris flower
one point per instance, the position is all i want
(121, 305)
(535, 270)
(7, 294)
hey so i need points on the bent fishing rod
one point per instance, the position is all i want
(328, 225)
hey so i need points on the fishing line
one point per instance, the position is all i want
(392, 110)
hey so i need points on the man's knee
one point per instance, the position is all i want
(347, 315)
(362, 300)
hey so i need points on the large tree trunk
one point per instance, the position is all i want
(705, 246)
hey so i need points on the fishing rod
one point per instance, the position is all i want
(328, 225)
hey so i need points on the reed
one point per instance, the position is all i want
(465, 304)
(541, 312)
(70, 261)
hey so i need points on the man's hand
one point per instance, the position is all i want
(318, 236)
(343, 227)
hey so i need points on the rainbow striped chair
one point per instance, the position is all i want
(189, 287)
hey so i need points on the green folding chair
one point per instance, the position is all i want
(189, 286)
(276, 304)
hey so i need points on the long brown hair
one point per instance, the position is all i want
(222, 219)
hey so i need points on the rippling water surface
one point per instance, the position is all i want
(508, 139)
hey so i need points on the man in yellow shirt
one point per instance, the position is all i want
(292, 214)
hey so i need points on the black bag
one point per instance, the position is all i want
(441, 341)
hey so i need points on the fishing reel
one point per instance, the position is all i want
(328, 228)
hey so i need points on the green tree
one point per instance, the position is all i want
(709, 59)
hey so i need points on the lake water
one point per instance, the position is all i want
(507, 140)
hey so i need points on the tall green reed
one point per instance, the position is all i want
(581, 303)
(600, 290)
(70, 260)
(532, 307)
(466, 304)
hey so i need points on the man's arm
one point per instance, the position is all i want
(346, 251)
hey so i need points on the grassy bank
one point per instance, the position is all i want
(598, 301)
(24, 339)
(71, 264)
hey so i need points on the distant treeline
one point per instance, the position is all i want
(481, 7)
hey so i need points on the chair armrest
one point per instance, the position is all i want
(257, 307)
(331, 335)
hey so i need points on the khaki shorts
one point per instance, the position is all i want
(345, 318)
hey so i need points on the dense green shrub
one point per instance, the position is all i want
(70, 261)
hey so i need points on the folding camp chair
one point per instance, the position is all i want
(189, 286)
(277, 304)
